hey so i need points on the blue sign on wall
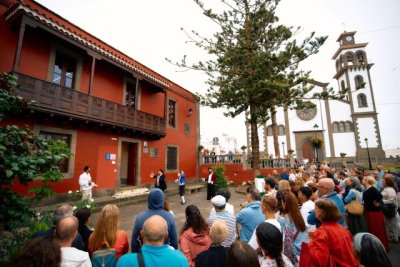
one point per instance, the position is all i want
(108, 156)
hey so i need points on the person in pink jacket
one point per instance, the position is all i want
(194, 237)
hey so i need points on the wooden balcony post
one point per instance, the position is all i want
(17, 56)
(92, 75)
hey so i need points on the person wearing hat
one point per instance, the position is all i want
(219, 203)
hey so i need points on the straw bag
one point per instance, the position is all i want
(354, 207)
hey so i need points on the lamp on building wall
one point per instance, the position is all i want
(315, 147)
(189, 112)
(283, 149)
(369, 158)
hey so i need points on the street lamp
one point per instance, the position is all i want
(283, 149)
(369, 158)
(315, 146)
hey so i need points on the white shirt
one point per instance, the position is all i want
(72, 257)
(305, 211)
(266, 261)
(292, 177)
(210, 178)
(84, 181)
(253, 240)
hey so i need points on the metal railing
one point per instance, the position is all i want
(222, 159)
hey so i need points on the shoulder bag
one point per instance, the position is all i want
(354, 207)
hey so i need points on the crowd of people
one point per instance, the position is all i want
(314, 216)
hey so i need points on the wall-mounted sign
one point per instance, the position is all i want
(109, 156)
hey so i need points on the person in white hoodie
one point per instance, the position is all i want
(66, 231)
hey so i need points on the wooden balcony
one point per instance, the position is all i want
(53, 99)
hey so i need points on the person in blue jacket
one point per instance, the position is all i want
(156, 207)
(326, 189)
(181, 183)
(154, 251)
(251, 215)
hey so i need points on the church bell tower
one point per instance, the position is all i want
(354, 80)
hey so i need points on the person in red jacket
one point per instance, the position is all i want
(194, 237)
(331, 244)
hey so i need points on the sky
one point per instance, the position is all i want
(150, 31)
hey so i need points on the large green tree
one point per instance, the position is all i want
(254, 63)
(25, 158)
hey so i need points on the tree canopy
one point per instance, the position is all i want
(254, 65)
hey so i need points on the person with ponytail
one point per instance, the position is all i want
(269, 238)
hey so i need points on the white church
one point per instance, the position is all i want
(345, 126)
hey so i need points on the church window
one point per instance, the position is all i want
(362, 101)
(341, 127)
(342, 86)
(360, 57)
(347, 126)
(281, 130)
(359, 80)
(335, 127)
(269, 130)
(350, 58)
(337, 65)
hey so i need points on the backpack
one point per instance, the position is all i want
(106, 257)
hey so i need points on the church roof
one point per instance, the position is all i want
(345, 34)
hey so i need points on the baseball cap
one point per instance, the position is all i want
(218, 201)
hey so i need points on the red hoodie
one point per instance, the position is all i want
(192, 244)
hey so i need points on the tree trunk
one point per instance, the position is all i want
(275, 133)
(255, 145)
(255, 150)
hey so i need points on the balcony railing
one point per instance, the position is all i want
(52, 98)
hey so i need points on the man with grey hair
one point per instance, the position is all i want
(154, 252)
(65, 233)
(326, 189)
(59, 213)
(215, 256)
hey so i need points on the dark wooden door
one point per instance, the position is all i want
(132, 164)
(307, 151)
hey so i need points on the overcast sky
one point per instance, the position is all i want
(150, 30)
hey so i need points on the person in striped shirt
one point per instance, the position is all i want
(219, 203)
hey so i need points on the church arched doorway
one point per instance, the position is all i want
(307, 151)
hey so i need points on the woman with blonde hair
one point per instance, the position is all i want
(373, 212)
(284, 185)
(107, 234)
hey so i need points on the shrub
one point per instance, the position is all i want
(221, 178)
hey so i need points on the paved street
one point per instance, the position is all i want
(128, 215)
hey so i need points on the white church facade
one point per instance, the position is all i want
(347, 125)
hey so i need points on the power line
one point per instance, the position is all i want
(382, 29)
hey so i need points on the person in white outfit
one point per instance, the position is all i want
(65, 233)
(307, 205)
(86, 184)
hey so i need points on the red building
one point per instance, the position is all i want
(117, 115)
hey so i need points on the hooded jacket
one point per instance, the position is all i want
(191, 244)
(249, 217)
(155, 203)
